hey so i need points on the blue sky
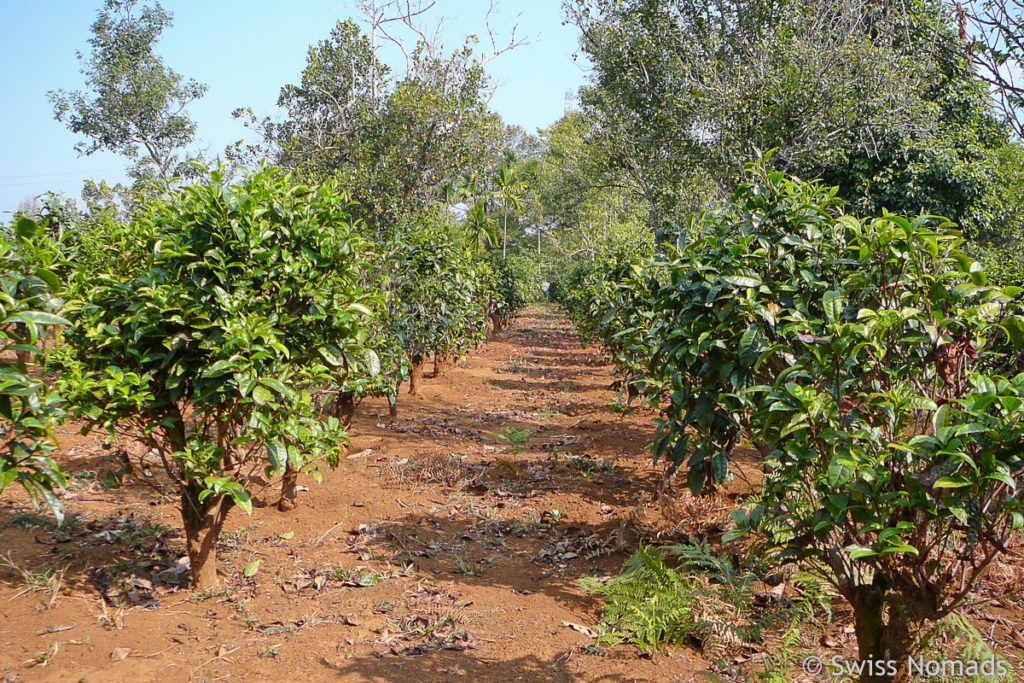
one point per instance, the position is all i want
(244, 51)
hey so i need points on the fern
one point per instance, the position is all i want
(963, 642)
(652, 604)
(785, 657)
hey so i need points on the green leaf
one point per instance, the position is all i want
(742, 281)
(261, 395)
(41, 318)
(251, 569)
(834, 303)
(277, 453)
(25, 227)
(51, 280)
(857, 552)
(954, 482)
(360, 308)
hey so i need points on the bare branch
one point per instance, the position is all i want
(996, 51)
(492, 35)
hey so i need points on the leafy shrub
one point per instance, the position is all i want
(28, 407)
(434, 294)
(528, 277)
(503, 289)
(863, 359)
(248, 299)
(734, 283)
(895, 451)
(595, 298)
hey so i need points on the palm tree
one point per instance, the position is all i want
(508, 189)
(478, 226)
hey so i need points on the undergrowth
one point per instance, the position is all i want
(686, 595)
(700, 598)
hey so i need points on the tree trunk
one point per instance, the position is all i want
(345, 408)
(203, 523)
(442, 361)
(289, 488)
(504, 235)
(416, 364)
(879, 639)
(498, 323)
(869, 625)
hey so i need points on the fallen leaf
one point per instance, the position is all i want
(251, 569)
(585, 630)
(57, 629)
(120, 653)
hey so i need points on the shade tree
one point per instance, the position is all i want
(133, 104)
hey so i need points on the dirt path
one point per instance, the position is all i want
(447, 546)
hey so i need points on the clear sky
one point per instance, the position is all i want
(244, 50)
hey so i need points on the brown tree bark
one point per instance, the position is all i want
(203, 523)
(345, 408)
(289, 488)
(442, 361)
(886, 635)
(416, 364)
(498, 323)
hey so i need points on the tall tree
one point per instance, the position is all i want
(587, 204)
(133, 104)
(993, 31)
(395, 136)
(508, 189)
(863, 93)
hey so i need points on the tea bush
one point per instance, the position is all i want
(248, 301)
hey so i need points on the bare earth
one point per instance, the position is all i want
(447, 546)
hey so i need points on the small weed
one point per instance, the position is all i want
(383, 607)
(424, 626)
(210, 593)
(513, 436)
(43, 658)
(532, 524)
(238, 537)
(513, 368)
(30, 521)
(45, 580)
(270, 651)
(82, 479)
(463, 566)
(704, 597)
(590, 466)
